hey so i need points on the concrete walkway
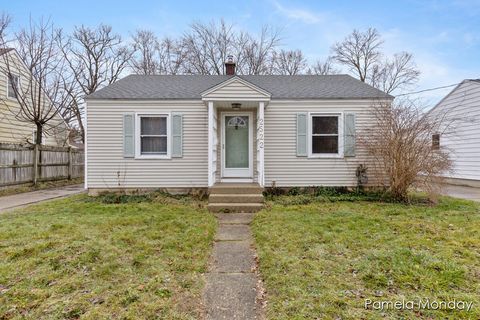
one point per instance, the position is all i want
(23, 199)
(232, 284)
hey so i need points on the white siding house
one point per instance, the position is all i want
(13, 127)
(460, 113)
(193, 131)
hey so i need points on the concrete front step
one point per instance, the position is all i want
(234, 207)
(236, 188)
(235, 198)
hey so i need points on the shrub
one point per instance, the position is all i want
(399, 143)
(114, 198)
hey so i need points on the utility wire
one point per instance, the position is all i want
(425, 90)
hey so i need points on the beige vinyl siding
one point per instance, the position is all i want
(105, 147)
(106, 166)
(282, 165)
(460, 111)
(235, 90)
(13, 128)
(218, 174)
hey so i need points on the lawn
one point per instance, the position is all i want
(321, 259)
(92, 258)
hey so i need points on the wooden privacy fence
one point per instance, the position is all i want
(31, 164)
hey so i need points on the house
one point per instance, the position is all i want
(459, 113)
(196, 131)
(13, 127)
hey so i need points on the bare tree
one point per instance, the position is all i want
(5, 21)
(207, 47)
(146, 60)
(289, 62)
(171, 56)
(398, 73)
(154, 56)
(399, 143)
(361, 53)
(35, 78)
(255, 54)
(203, 49)
(325, 67)
(96, 57)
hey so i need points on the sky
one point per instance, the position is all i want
(444, 36)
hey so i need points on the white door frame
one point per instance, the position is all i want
(238, 173)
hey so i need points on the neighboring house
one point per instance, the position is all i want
(13, 128)
(192, 131)
(459, 112)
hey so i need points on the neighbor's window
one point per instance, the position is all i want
(435, 141)
(153, 135)
(325, 134)
(13, 82)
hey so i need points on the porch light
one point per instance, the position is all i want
(236, 106)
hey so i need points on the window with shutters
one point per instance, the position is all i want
(325, 133)
(153, 136)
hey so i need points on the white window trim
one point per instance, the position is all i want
(138, 154)
(8, 88)
(340, 135)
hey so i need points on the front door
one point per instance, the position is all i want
(237, 145)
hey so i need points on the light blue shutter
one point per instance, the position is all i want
(177, 135)
(302, 134)
(349, 135)
(129, 135)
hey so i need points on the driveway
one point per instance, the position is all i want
(463, 192)
(27, 198)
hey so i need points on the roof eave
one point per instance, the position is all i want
(88, 98)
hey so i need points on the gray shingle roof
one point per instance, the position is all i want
(159, 87)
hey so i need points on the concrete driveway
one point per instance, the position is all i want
(463, 192)
(23, 199)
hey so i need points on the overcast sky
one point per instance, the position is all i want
(444, 36)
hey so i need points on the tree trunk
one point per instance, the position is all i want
(81, 127)
(39, 136)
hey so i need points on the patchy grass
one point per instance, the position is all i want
(321, 259)
(84, 258)
(6, 191)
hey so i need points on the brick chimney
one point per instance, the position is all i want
(230, 66)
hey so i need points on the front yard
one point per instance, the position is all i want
(323, 259)
(89, 258)
(142, 257)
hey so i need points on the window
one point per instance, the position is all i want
(436, 141)
(153, 135)
(325, 134)
(13, 82)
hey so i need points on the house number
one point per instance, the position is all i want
(260, 133)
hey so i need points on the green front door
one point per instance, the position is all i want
(236, 145)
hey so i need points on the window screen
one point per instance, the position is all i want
(324, 134)
(153, 135)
